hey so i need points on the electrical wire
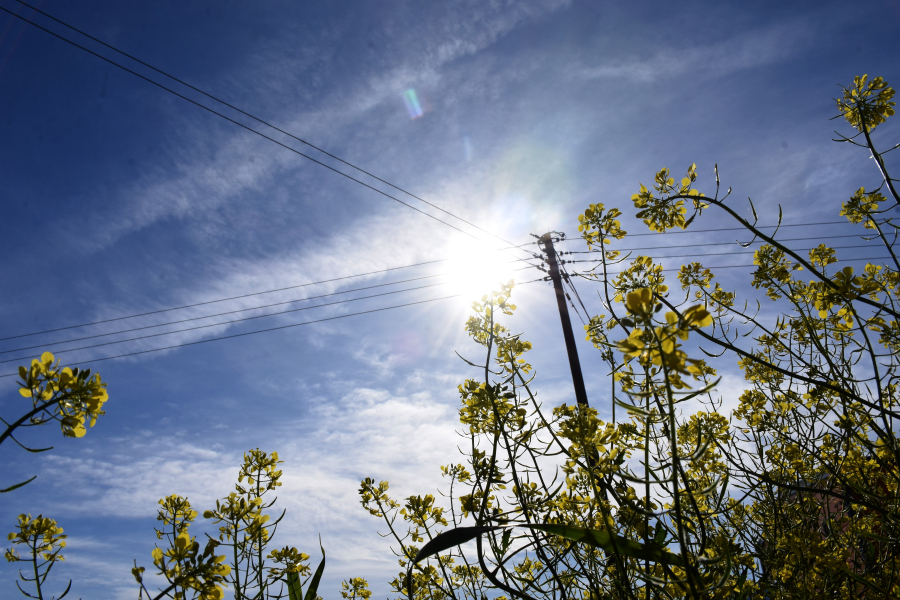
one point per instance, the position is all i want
(572, 239)
(236, 335)
(342, 161)
(666, 247)
(567, 280)
(259, 120)
(292, 136)
(572, 304)
(272, 314)
(715, 254)
(732, 266)
(231, 312)
(241, 125)
(291, 287)
(226, 337)
(185, 306)
(103, 321)
(232, 321)
(224, 103)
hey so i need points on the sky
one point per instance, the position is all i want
(121, 198)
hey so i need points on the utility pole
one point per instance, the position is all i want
(574, 363)
(577, 379)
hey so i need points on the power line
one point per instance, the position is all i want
(174, 308)
(231, 312)
(272, 314)
(236, 335)
(728, 253)
(290, 135)
(702, 254)
(720, 229)
(282, 131)
(100, 322)
(567, 280)
(239, 124)
(291, 287)
(320, 320)
(831, 237)
(226, 337)
(743, 266)
(259, 120)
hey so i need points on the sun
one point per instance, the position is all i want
(476, 270)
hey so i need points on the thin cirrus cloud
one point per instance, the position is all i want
(752, 49)
(411, 433)
(364, 432)
(228, 277)
(204, 184)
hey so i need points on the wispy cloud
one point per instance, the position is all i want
(365, 432)
(702, 61)
(216, 169)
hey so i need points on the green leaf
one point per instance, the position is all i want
(312, 590)
(693, 394)
(295, 589)
(506, 541)
(602, 539)
(659, 536)
(631, 407)
(739, 585)
(449, 539)
(612, 543)
(444, 541)
(18, 485)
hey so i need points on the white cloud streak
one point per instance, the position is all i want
(703, 61)
(223, 172)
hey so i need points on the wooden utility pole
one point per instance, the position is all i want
(574, 364)
(546, 241)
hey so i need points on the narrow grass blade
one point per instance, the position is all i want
(312, 590)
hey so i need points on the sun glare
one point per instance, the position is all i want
(476, 271)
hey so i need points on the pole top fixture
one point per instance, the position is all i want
(550, 236)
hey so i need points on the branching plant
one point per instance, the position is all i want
(71, 397)
(355, 588)
(793, 494)
(44, 540)
(246, 531)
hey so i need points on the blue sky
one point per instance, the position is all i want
(120, 198)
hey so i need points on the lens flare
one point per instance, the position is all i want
(412, 104)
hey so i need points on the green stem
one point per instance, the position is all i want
(33, 412)
(880, 162)
(34, 559)
(238, 593)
